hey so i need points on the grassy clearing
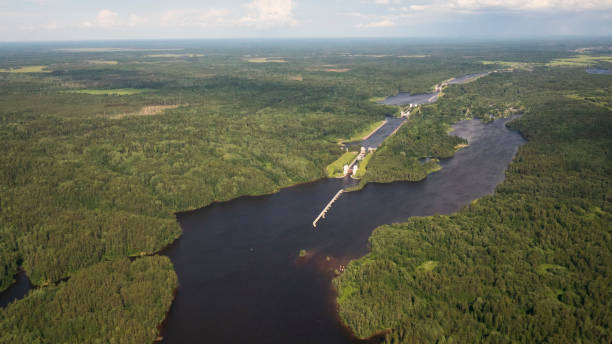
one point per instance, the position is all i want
(604, 102)
(337, 70)
(510, 64)
(266, 60)
(27, 69)
(150, 110)
(110, 50)
(545, 268)
(414, 56)
(114, 92)
(427, 266)
(102, 62)
(174, 55)
(335, 168)
(363, 164)
(579, 61)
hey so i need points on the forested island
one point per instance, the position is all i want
(103, 143)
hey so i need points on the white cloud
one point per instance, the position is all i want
(195, 17)
(421, 11)
(265, 13)
(532, 5)
(105, 18)
(136, 20)
(509, 5)
(385, 22)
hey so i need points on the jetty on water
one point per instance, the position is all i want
(322, 214)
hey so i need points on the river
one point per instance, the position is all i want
(17, 290)
(241, 278)
(240, 274)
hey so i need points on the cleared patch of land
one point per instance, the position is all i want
(114, 92)
(366, 55)
(427, 266)
(511, 64)
(266, 60)
(338, 70)
(579, 61)
(575, 61)
(108, 50)
(27, 69)
(102, 62)
(414, 56)
(150, 110)
(601, 98)
(174, 55)
(335, 169)
(545, 268)
(296, 78)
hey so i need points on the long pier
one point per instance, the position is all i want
(322, 215)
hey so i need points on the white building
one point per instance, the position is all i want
(346, 168)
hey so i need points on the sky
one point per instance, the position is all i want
(59, 20)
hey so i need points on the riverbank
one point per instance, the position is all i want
(490, 249)
(254, 242)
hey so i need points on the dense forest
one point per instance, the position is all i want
(111, 302)
(88, 175)
(100, 147)
(530, 263)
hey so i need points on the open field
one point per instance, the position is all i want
(114, 92)
(266, 60)
(579, 61)
(174, 55)
(528, 66)
(27, 69)
(149, 110)
(102, 62)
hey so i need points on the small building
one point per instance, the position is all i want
(346, 170)
(355, 168)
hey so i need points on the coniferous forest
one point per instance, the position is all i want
(101, 147)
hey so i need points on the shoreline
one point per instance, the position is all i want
(357, 187)
(509, 119)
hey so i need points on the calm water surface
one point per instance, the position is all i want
(241, 280)
(380, 135)
(17, 291)
(599, 71)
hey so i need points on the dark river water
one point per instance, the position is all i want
(405, 98)
(381, 134)
(241, 278)
(17, 291)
